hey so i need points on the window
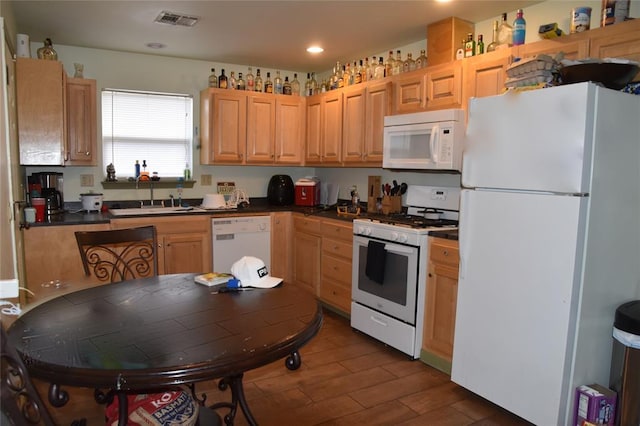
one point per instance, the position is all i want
(146, 126)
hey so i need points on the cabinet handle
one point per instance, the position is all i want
(87, 153)
(446, 253)
(430, 275)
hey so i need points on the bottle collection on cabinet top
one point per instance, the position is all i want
(503, 35)
(342, 76)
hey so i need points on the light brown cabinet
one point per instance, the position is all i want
(440, 307)
(306, 252)
(52, 254)
(223, 126)
(337, 253)
(81, 122)
(409, 92)
(364, 109)
(40, 98)
(281, 245)
(430, 88)
(324, 129)
(486, 74)
(184, 244)
(616, 41)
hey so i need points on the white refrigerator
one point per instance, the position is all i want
(549, 244)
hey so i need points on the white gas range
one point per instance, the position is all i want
(389, 276)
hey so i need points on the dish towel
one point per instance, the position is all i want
(376, 255)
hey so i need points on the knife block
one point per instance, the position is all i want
(391, 204)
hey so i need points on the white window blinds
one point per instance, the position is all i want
(154, 127)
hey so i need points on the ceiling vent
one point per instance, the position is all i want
(172, 18)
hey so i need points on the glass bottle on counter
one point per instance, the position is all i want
(240, 83)
(268, 84)
(223, 82)
(250, 80)
(213, 78)
(295, 85)
(258, 81)
(494, 38)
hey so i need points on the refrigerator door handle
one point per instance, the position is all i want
(433, 142)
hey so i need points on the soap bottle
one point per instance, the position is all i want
(187, 172)
(137, 169)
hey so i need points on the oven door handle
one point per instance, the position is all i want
(399, 249)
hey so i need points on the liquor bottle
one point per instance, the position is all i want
(277, 84)
(314, 84)
(340, 78)
(388, 65)
(268, 84)
(223, 82)
(250, 80)
(363, 70)
(258, 81)
(240, 82)
(519, 29)
(357, 76)
(213, 78)
(409, 64)
(295, 85)
(346, 75)
(308, 91)
(494, 38)
(505, 32)
(421, 61)
(480, 45)
(460, 51)
(379, 71)
(397, 67)
(371, 71)
(286, 86)
(469, 46)
(232, 80)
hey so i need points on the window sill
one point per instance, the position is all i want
(162, 183)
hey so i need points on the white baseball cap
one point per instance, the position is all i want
(252, 272)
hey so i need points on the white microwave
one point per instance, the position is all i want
(430, 140)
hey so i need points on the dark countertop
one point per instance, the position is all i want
(451, 234)
(75, 216)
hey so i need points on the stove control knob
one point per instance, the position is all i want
(402, 238)
(364, 230)
(394, 236)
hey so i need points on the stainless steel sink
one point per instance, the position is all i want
(144, 211)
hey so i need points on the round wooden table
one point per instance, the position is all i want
(154, 333)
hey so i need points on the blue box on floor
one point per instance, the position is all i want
(594, 405)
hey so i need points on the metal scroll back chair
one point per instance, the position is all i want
(118, 255)
(21, 403)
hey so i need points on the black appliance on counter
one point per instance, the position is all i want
(48, 185)
(280, 191)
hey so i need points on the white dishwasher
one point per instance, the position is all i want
(234, 237)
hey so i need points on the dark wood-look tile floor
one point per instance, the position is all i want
(346, 378)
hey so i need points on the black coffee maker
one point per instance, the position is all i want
(50, 184)
(280, 191)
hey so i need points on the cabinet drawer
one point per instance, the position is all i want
(444, 251)
(336, 294)
(307, 224)
(337, 248)
(337, 230)
(337, 269)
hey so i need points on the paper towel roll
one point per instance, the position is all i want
(23, 49)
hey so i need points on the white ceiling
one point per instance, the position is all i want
(270, 34)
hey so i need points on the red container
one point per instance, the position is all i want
(307, 192)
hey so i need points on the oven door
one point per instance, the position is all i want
(396, 295)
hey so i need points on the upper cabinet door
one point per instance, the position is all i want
(353, 124)
(81, 122)
(409, 93)
(229, 127)
(41, 114)
(313, 151)
(485, 74)
(261, 129)
(444, 86)
(290, 130)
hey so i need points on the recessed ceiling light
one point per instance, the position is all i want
(315, 49)
(154, 45)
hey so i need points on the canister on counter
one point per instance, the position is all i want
(580, 19)
(614, 11)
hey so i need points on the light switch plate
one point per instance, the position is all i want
(8, 289)
(86, 180)
(205, 180)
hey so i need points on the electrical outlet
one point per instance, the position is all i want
(205, 180)
(8, 288)
(86, 180)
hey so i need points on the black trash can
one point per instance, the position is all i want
(625, 363)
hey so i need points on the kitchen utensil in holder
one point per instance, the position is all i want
(391, 204)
